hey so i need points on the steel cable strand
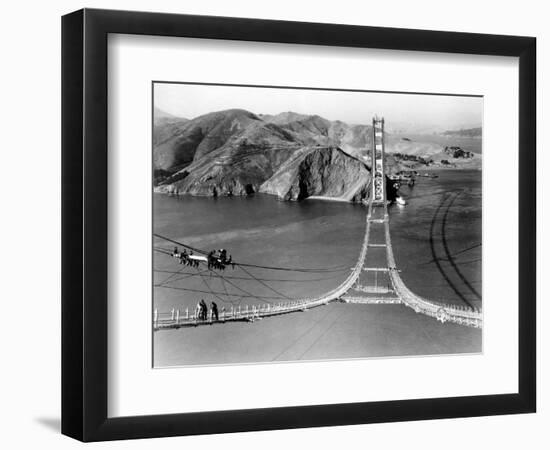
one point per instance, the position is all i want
(271, 280)
(251, 295)
(289, 269)
(174, 273)
(265, 284)
(187, 275)
(237, 302)
(210, 289)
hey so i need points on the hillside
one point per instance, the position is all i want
(235, 152)
(291, 155)
(314, 129)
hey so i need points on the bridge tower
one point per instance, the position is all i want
(377, 162)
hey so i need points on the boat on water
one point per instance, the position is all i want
(400, 201)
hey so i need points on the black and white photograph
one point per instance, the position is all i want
(300, 224)
(275, 225)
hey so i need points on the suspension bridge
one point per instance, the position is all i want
(375, 278)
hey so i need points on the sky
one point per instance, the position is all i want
(406, 112)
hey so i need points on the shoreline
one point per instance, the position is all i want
(326, 198)
(160, 189)
(313, 197)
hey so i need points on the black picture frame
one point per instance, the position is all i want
(84, 224)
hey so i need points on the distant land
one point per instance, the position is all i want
(468, 132)
(290, 155)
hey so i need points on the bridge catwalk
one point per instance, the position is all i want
(352, 289)
(402, 295)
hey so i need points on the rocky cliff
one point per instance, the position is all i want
(320, 171)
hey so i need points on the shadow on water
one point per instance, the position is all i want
(435, 257)
(448, 253)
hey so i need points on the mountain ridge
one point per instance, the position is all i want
(238, 152)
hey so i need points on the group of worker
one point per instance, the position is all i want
(221, 260)
(185, 258)
(201, 311)
(215, 261)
